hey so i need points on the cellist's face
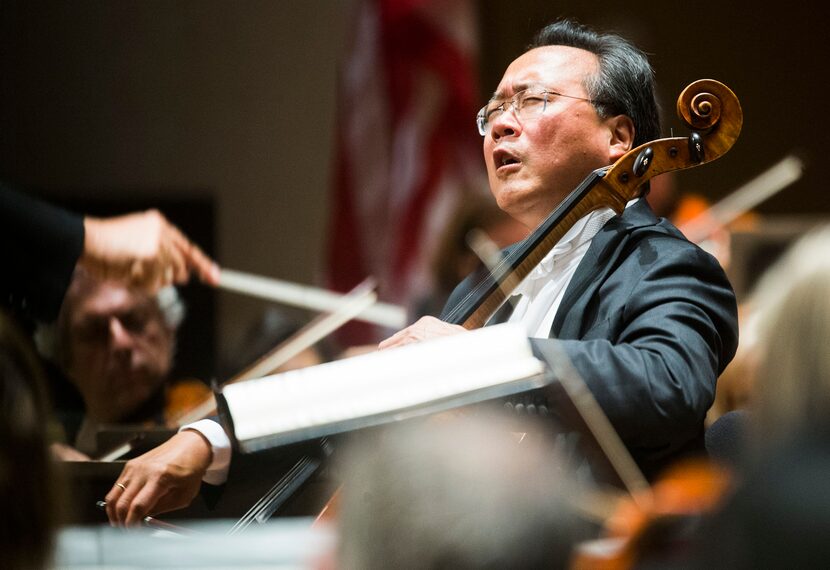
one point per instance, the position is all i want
(533, 163)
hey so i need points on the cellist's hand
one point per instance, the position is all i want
(163, 479)
(424, 328)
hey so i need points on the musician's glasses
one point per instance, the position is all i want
(527, 104)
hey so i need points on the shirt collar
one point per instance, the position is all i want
(581, 232)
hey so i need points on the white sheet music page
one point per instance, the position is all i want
(382, 386)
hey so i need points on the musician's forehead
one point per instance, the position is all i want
(559, 68)
(109, 298)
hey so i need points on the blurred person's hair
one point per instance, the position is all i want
(29, 486)
(792, 375)
(779, 517)
(458, 493)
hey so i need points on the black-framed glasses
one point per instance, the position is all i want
(526, 104)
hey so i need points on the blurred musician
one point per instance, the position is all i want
(30, 488)
(459, 493)
(780, 515)
(115, 345)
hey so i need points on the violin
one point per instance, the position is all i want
(660, 526)
(183, 396)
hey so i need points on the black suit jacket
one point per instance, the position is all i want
(650, 321)
(40, 246)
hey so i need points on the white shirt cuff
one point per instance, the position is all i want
(217, 472)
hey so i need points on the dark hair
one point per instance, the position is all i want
(624, 84)
(29, 492)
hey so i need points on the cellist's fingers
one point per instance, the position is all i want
(172, 471)
(172, 498)
(424, 328)
(122, 503)
(143, 503)
(112, 499)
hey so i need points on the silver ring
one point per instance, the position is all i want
(123, 488)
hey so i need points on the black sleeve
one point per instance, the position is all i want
(653, 367)
(40, 246)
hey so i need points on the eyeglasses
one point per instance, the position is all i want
(527, 104)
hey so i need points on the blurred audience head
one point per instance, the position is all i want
(455, 493)
(115, 344)
(28, 486)
(792, 386)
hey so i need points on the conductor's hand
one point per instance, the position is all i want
(423, 329)
(143, 249)
(163, 479)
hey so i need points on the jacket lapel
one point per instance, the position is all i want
(600, 259)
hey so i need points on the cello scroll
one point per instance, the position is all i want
(714, 114)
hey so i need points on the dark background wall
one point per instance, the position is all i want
(233, 103)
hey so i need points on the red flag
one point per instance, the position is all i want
(406, 144)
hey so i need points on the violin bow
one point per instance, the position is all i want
(349, 306)
(307, 297)
(774, 179)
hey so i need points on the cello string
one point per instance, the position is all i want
(256, 508)
(255, 512)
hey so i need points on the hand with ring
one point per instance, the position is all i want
(163, 479)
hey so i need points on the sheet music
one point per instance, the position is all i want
(384, 386)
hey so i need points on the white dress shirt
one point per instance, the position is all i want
(542, 290)
(220, 444)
